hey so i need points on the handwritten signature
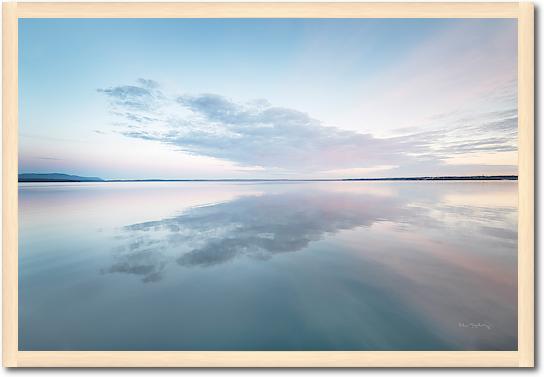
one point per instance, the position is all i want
(473, 325)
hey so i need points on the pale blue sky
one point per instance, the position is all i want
(204, 98)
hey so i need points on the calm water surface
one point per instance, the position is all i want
(268, 266)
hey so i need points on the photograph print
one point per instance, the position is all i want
(267, 184)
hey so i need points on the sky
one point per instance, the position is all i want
(267, 98)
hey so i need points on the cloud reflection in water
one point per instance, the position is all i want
(261, 226)
(258, 227)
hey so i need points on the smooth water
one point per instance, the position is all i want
(268, 266)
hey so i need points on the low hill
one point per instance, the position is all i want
(56, 177)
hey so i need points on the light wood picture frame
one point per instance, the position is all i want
(523, 357)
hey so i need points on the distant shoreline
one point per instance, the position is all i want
(442, 178)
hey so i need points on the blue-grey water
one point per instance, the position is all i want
(268, 266)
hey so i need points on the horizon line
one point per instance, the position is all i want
(75, 178)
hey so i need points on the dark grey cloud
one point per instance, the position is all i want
(257, 133)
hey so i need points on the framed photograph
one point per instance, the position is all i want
(268, 185)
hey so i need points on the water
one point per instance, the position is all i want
(268, 266)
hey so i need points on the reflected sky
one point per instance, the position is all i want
(268, 266)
